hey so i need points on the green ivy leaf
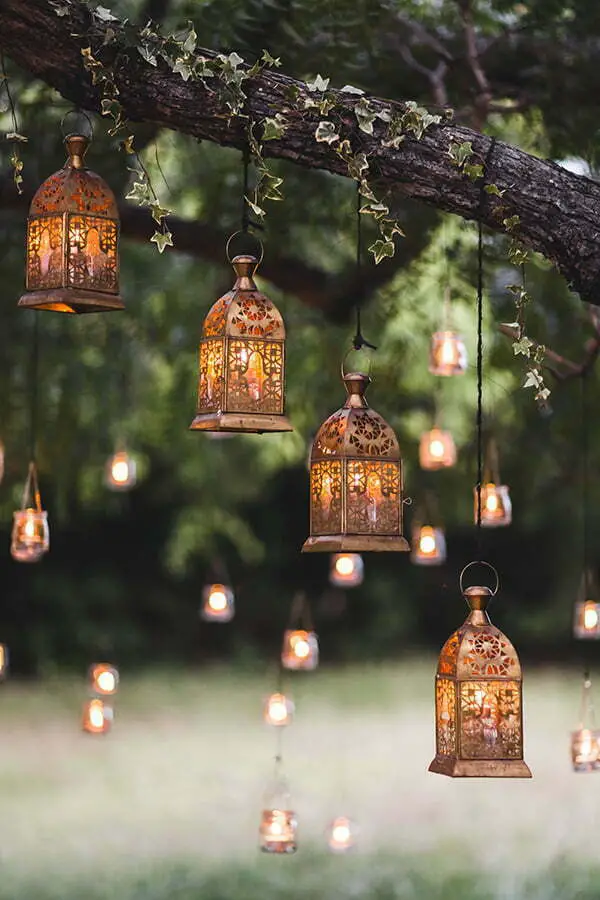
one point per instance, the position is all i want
(326, 133)
(460, 153)
(511, 222)
(162, 239)
(365, 116)
(269, 186)
(350, 89)
(533, 379)
(522, 347)
(234, 60)
(474, 171)
(127, 144)
(15, 136)
(139, 193)
(269, 60)
(319, 84)
(147, 54)
(388, 228)
(494, 190)
(189, 45)
(159, 212)
(376, 209)
(60, 9)
(104, 14)
(182, 68)
(357, 165)
(274, 128)
(256, 209)
(381, 249)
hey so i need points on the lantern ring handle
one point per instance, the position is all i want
(356, 350)
(480, 562)
(76, 112)
(247, 233)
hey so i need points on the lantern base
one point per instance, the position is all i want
(69, 300)
(480, 768)
(242, 423)
(361, 543)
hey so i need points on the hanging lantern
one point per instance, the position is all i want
(30, 533)
(585, 742)
(218, 603)
(279, 710)
(104, 679)
(3, 661)
(346, 570)
(356, 482)
(428, 546)
(278, 823)
(496, 508)
(72, 240)
(300, 650)
(242, 359)
(437, 450)
(120, 473)
(586, 622)
(97, 716)
(447, 354)
(478, 698)
(341, 835)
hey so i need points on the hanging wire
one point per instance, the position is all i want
(33, 389)
(245, 212)
(479, 420)
(359, 341)
(585, 475)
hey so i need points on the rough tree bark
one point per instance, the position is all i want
(559, 212)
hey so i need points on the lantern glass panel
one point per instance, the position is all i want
(496, 507)
(346, 569)
(30, 535)
(120, 472)
(278, 710)
(104, 678)
(437, 450)
(300, 649)
(218, 603)
(428, 546)
(448, 354)
(97, 716)
(341, 835)
(585, 750)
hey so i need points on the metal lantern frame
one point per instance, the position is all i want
(356, 479)
(585, 741)
(478, 697)
(241, 385)
(30, 538)
(72, 260)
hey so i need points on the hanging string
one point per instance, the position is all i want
(359, 341)
(585, 476)
(479, 421)
(33, 389)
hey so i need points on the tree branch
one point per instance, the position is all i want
(559, 213)
(563, 369)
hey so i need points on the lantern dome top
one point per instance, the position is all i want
(356, 430)
(478, 650)
(244, 311)
(74, 188)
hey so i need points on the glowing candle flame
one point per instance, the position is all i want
(427, 543)
(301, 648)
(106, 681)
(447, 353)
(29, 527)
(96, 714)
(491, 500)
(590, 616)
(344, 565)
(436, 448)
(277, 710)
(217, 600)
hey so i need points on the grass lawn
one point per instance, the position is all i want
(167, 805)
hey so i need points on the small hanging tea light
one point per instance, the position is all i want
(30, 533)
(97, 716)
(346, 570)
(356, 482)
(72, 240)
(279, 710)
(341, 835)
(437, 449)
(120, 473)
(218, 603)
(478, 691)
(428, 546)
(496, 508)
(104, 679)
(300, 644)
(278, 824)
(447, 354)
(585, 742)
(586, 620)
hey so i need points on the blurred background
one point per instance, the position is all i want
(125, 573)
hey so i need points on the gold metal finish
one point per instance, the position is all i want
(242, 360)
(478, 700)
(356, 480)
(72, 240)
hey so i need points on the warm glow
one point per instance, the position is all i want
(120, 471)
(585, 747)
(447, 353)
(436, 448)
(344, 565)
(106, 681)
(29, 526)
(96, 714)
(217, 600)
(301, 648)
(427, 543)
(277, 712)
(491, 500)
(341, 833)
(590, 616)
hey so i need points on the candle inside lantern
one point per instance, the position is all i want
(218, 603)
(427, 540)
(279, 710)
(496, 508)
(585, 750)
(121, 471)
(104, 678)
(278, 831)
(97, 716)
(590, 616)
(341, 835)
(346, 569)
(300, 650)
(30, 535)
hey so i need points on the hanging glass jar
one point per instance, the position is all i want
(97, 716)
(356, 479)
(586, 620)
(428, 545)
(478, 691)
(218, 603)
(447, 354)
(496, 506)
(585, 742)
(104, 679)
(437, 449)
(278, 710)
(346, 570)
(341, 835)
(72, 240)
(278, 823)
(242, 359)
(120, 473)
(300, 649)
(30, 532)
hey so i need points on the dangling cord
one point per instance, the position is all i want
(245, 213)
(588, 714)
(33, 388)
(479, 384)
(359, 341)
(585, 478)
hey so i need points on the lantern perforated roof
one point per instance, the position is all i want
(74, 188)
(355, 430)
(244, 311)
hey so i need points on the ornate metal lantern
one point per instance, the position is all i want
(120, 473)
(279, 710)
(478, 698)
(428, 545)
(341, 835)
(356, 479)
(72, 240)
(242, 359)
(585, 742)
(437, 449)
(346, 570)
(104, 679)
(586, 621)
(97, 716)
(30, 533)
(496, 508)
(218, 603)
(278, 824)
